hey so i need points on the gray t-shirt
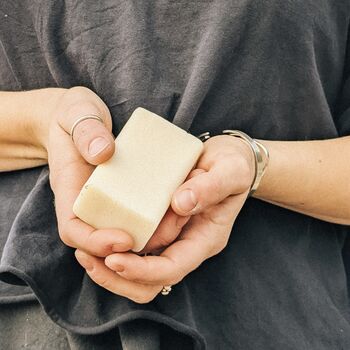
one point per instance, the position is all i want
(276, 70)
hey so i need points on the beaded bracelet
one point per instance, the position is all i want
(258, 150)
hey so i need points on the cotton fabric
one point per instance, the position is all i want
(277, 70)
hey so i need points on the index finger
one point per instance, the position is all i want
(169, 268)
(195, 245)
(167, 231)
(204, 236)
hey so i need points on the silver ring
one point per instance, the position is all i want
(165, 290)
(84, 117)
(204, 136)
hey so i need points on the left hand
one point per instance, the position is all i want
(212, 196)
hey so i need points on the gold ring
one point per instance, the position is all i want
(165, 290)
(79, 120)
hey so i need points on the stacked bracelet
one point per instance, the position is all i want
(261, 154)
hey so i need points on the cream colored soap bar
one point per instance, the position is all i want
(133, 190)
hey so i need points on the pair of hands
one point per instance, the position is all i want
(196, 226)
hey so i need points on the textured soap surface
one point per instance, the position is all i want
(133, 190)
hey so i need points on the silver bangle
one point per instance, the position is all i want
(258, 150)
(84, 117)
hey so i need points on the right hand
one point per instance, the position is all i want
(71, 164)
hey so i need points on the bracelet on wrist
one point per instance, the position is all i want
(260, 152)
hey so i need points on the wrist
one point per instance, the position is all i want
(261, 156)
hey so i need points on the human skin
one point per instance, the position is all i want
(309, 177)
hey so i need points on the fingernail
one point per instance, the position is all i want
(120, 247)
(119, 268)
(185, 200)
(84, 261)
(97, 146)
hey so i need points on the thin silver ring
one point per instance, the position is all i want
(165, 290)
(84, 117)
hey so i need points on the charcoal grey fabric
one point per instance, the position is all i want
(26, 326)
(275, 69)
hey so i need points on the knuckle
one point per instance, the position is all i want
(101, 281)
(173, 280)
(65, 237)
(77, 97)
(79, 91)
(83, 134)
(83, 130)
(215, 187)
(81, 94)
(92, 243)
(164, 241)
(176, 275)
(218, 246)
(89, 237)
(144, 297)
(139, 300)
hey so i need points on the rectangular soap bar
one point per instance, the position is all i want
(133, 190)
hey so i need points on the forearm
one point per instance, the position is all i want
(24, 120)
(310, 177)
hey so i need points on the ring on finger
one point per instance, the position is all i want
(81, 119)
(165, 290)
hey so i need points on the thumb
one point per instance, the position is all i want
(89, 124)
(93, 140)
(207, 188)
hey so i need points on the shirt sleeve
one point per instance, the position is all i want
(342, 110)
